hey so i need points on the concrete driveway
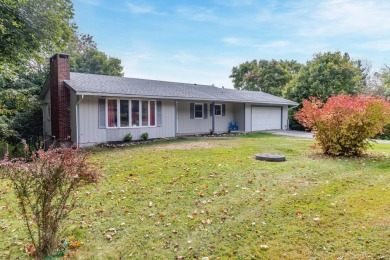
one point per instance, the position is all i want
(308, 135)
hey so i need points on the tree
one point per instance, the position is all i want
(329, 73)
(385, 77)
(96, 62)
(30, 28)
(45, 187)
(344, 124)
(20, 108)
(86, 58)
(263, 75)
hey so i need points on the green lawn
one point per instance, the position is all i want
(209, 197)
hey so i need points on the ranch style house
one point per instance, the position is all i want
(87, 109)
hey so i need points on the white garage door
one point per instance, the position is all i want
(266, 118)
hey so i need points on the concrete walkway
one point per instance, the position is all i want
(308, 135)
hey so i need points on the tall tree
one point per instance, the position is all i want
(385, 77)
(263, 75)
(86, 58)
(328, 74)
(30, 28)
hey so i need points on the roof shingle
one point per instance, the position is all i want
(92, 84)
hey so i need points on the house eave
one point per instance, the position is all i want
(180, 98)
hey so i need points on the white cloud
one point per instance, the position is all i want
(347, 17)
(236, 41)
(140, 9)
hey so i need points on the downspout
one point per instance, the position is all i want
(288, 121)
(176, 117)
(212, 116)
(77, 120)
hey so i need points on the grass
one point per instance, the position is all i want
(171, 199)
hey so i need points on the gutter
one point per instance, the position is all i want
(77, 121)
(184, 98)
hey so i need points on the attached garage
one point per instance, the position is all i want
(266, 118)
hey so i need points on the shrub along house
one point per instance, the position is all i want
(88, 109)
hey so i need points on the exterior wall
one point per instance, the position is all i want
(186, 125)
(285, 118)
(46, 109)
(239, 116)
(175, 118)
(90, 133)
(248, 117)
(73, 102)
(222, 122)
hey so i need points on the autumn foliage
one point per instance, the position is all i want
(45, 186)
(344, 124)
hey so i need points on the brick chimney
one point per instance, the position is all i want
(60, 97)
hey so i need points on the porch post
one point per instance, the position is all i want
(212, 116)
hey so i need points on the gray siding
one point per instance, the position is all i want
(46, 115)
(91, 134)
(248, 117)
(285, 118)
(186, 125)
(222, 122)
(239, 115)
(192, 126)
(73, 102)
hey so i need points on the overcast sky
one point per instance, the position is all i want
(200, 41)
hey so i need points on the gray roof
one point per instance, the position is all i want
(92, 84)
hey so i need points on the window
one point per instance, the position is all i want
(112, 113)
(102, 113)
(129, 113)
(145, 114)
(135, 112)
(218, 110)
(152, 109)
(124, 112)
(198, 110)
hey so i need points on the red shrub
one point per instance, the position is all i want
(344, 124)
(46, 187)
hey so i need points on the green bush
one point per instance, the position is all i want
(128, 138)
(344, 124)
(145, 136)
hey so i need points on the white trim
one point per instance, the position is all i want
(130, 110)
(109, 95)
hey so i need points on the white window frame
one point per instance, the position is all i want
(200, 104)
(130, 113)
(215, 110)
